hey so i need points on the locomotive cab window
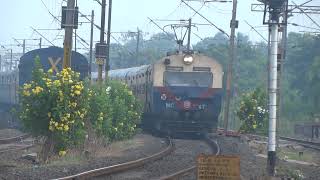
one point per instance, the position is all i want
(193, 79)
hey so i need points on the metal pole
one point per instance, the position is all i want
(0, 63)
(189, 35)
(40, 43)
(75, 33)
(273, 100)
(108, 40)
(11, 60)
(68, 33)
(91, 43)
(138, 41)
(24, 47)
(103, 16)
(233, 26)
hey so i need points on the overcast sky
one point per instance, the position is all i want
(17, 17)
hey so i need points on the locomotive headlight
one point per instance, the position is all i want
(188, 59)
(163, 97)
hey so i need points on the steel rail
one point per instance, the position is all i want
(122, 167)
(304, 143)
(17, 149)
(215, 148)
(14, 139)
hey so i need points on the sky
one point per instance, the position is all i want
(18, 16)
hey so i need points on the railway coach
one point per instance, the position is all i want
(50, 57)
(181, 92)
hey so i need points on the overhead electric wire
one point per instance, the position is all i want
(306, 14)
(42, 36)
(222, 31)
(60, 22)
(159, 26)
(256, 31)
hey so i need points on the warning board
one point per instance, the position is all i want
(211, 167)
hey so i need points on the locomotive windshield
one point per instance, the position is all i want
(195, 79)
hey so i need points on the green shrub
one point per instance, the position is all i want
(253, 112)
(114, 111)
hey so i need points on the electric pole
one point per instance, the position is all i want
(70, 17)
(99, 50)
(40, 43)
(189, 35)
(11, 60)
(24, 46)
(91, 43)
(138, 42)
(233, 26)
(75, 33)
(108, 40)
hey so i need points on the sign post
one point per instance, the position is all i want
(211, 167)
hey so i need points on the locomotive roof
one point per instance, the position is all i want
(122, 72)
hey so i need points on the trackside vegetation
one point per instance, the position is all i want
(253, 112)
(60, 107)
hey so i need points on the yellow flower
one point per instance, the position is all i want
(74, 104)
(66, 128)
(26, 93)
(26, 86)
(62, 153)
(50, 71)
(68, 115)
(51, 128)
(37, 90)
(82, 116)
(70, 81)
(130, 93)
(56, 124)
(77, 92)
(121, 124)
(100, 118)
(116, 129)
(101, 114)
(72, 95)
(57, 83)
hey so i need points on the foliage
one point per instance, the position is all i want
(114, 111)
(253, 112)
(54, 106)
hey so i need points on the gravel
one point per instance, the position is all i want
(13, 167)
(253, 167)
(184, 156)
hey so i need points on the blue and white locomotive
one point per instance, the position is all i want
(181, 92)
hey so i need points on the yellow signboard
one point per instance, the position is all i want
(100, 61)
(211, 167)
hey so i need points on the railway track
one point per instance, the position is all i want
(304, 143)
(215, 150)
(15, 143)
(124, 166)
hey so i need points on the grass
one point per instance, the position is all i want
(307, 157)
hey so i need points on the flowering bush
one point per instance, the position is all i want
(253, 112)
(114, 111)
(55, 106)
